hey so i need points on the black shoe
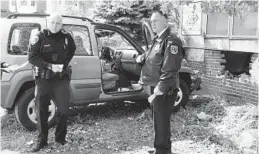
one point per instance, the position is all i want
(39, 146)
(151, 151)
(62, 142)
(159, 152)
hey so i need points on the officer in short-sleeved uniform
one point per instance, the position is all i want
(46, 50)
(161, 64)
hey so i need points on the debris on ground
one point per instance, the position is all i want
(203, 116)
(208, 125)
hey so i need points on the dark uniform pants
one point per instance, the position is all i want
(58, 89)
(162, 109)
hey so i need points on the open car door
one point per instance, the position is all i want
(86, 76)
(148, 33)
(122, 48)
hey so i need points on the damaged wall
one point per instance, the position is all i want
(243, 88)
(210, 39)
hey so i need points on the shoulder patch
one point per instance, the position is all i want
(34, 38)
(174, 49)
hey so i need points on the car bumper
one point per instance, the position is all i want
(5, 86)
(196, 84)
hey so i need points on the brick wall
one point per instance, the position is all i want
(243, 89)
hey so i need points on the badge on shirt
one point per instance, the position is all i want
(66, 41)
(34, 40)
(174, 49)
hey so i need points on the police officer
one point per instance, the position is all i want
(159, 74)
(50, 52)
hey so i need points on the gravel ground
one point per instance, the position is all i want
(126, 128)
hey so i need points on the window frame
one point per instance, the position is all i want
(137, 47)
(233, 37)
(230, 35)
(13, 27)
(90, 42)
(124, 39)
(216, 36)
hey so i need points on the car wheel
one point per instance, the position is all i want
(182, 96)
(25, 111)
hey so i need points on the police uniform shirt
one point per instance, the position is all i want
(163, 61)
(48, 48)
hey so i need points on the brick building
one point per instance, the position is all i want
(225, 51)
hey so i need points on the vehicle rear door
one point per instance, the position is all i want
(86, 68)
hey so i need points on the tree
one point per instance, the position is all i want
(81, 8)
(127, 15)
(238, 8)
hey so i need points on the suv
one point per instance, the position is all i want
(103, 66)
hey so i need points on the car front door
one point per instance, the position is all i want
(120, 42)
(148, 34)
(86, 68)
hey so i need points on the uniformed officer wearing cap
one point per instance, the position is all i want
(159, 74)
(50, 52)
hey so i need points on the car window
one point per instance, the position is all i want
(81, 38)
(19, 37)
(112, 39)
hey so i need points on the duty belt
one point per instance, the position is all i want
(48, 74)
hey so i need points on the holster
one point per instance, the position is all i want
(67, 71)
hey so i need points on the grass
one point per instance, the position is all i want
(126, 128)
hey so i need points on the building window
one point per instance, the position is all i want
(247, 26)
(217, 24)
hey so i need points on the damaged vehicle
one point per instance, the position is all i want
(104, 68)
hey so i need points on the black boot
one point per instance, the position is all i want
(39, 146)
(62, 142)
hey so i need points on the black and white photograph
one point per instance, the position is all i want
(129, 76)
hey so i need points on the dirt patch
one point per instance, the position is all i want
(126, 128)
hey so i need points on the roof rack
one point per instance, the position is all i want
(12, 16)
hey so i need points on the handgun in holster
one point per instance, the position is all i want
(67, 71)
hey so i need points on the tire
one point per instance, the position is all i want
(25, 112)
(182, 96)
